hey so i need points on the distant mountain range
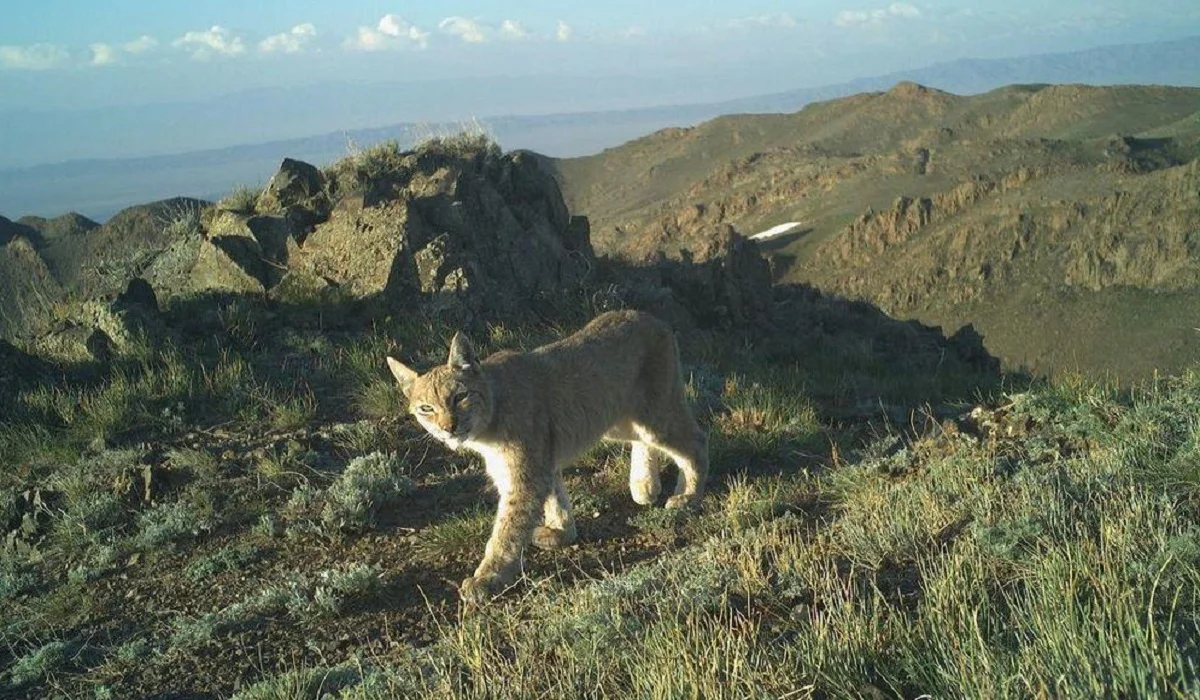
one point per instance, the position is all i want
(1061, 221)
(99, 188)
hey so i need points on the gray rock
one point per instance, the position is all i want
(297, 191)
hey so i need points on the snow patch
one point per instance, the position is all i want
(776, 231)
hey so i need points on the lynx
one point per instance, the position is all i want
(529, 414)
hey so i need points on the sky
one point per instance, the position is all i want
(70, 56)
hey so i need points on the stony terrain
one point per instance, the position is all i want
(209, 488)
(1062, 221)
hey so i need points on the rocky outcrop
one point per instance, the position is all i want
(99, 330)
(11, 230)
(28, 290)
(876, 232)
(726, 284)
(297, 192)
(475, 234)
(457, 228)
(66, 225)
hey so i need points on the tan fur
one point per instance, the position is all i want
(530, 414)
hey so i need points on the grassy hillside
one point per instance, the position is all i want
(209, 486)
(948, 209)
(248, 515)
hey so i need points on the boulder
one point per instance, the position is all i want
(297, 191)
(474, 234)
(138, 295)
(226, 264)
(365, 251)
(98, 331)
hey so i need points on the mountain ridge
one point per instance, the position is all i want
(951, 210)
(93, 188)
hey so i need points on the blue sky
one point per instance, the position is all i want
(77, 55)
(233, 44)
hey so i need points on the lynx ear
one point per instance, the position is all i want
(462, 355)
(404, 376)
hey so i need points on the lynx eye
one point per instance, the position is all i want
(460, 397)
(425, 409)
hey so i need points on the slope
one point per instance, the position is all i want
(948, 209)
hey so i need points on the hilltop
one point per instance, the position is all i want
(1061, 221)
(202, 452)
(209, 486)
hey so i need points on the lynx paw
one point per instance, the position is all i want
(645, 492)
(552, 538)
(683, 500)
(479, 590)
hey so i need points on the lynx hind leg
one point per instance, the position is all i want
(644, 483)
(558, 523)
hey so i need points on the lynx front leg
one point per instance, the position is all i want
(644, 484)
(687, 446)
(519, 511)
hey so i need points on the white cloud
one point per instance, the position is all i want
(141, 44)
(782, 20)
(468, 30)
(291, 41)
(563, 32)
(217, 41)
(35, 57)
(512, 29)
(869, 18)
(392, 32)
(110, 54)
(104, 54)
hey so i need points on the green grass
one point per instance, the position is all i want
(765, 415)
(369, 483)
(230, 558)
(301, 683)
(1023, 555)
(40, 662)
(458, 536)
(242, 200)
(295, 410)
(380, 398)
(365, 168)
(1043, 546)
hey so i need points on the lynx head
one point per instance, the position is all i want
(453, 402)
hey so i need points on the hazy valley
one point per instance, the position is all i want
(98, 187)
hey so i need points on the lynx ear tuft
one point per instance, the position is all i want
(404, 376)
(462, 354)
